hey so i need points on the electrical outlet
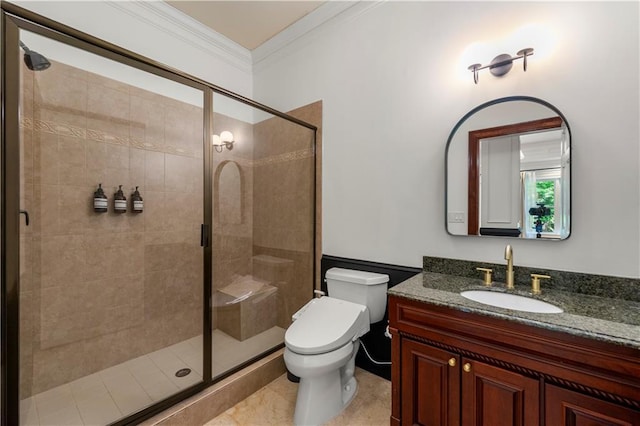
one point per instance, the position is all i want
(455, 217)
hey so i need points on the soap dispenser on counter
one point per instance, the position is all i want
(119, 201)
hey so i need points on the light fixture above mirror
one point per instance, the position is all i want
(502, 64)
(225, 140)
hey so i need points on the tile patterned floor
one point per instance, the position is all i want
(115, 392)
(275, 403)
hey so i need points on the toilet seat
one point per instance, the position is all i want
(326, 324)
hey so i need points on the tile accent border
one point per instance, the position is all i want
(287, 156)
(64, 129)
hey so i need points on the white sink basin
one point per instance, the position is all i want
(511, 301)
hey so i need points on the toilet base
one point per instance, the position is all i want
(322, 399)
(349, 392)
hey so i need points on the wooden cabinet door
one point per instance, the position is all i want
(492, 396)
(430, 390)
(568, 408)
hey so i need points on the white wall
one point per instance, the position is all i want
(158, 32)
(393, 86)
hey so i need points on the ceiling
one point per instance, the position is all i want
(248, 23)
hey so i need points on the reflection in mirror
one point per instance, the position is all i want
(508, 171)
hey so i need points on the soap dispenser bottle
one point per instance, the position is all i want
(100, 203)
(119, 201)
(136, 202)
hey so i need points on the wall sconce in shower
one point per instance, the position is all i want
(502, 64)
(225, 140)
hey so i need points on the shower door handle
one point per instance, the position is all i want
(26, 216)
(204, 235)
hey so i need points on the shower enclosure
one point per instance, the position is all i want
(263, 229)
(114, 310)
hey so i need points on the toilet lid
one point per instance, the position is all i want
(325, 325)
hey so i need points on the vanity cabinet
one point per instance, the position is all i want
(441, 388)
(451, 367)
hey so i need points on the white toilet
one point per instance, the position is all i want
(322, 342)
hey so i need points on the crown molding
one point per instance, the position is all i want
(177, 24)
(323, 18)
(307, 23)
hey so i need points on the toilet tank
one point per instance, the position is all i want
(365, 288)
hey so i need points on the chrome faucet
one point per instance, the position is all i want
(508, 255)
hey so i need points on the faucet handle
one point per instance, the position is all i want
(487, 275)
(535, 282)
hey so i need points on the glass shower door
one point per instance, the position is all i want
(263, 229)
(111, 277)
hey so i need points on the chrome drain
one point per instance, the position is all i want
(183, 372)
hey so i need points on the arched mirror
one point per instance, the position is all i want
(508, 171)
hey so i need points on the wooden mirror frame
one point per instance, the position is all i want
(473, 203)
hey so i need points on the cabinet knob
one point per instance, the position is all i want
(466, 367)
(452, 362)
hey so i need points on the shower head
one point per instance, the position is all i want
(34, 60)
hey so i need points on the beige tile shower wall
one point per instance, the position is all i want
(232, 203)
(283, 211)
(101, 288)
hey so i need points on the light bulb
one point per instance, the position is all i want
(226, 136)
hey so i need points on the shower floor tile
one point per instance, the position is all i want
(230, 352)
(115, 392)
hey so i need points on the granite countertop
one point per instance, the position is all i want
(602, 318)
